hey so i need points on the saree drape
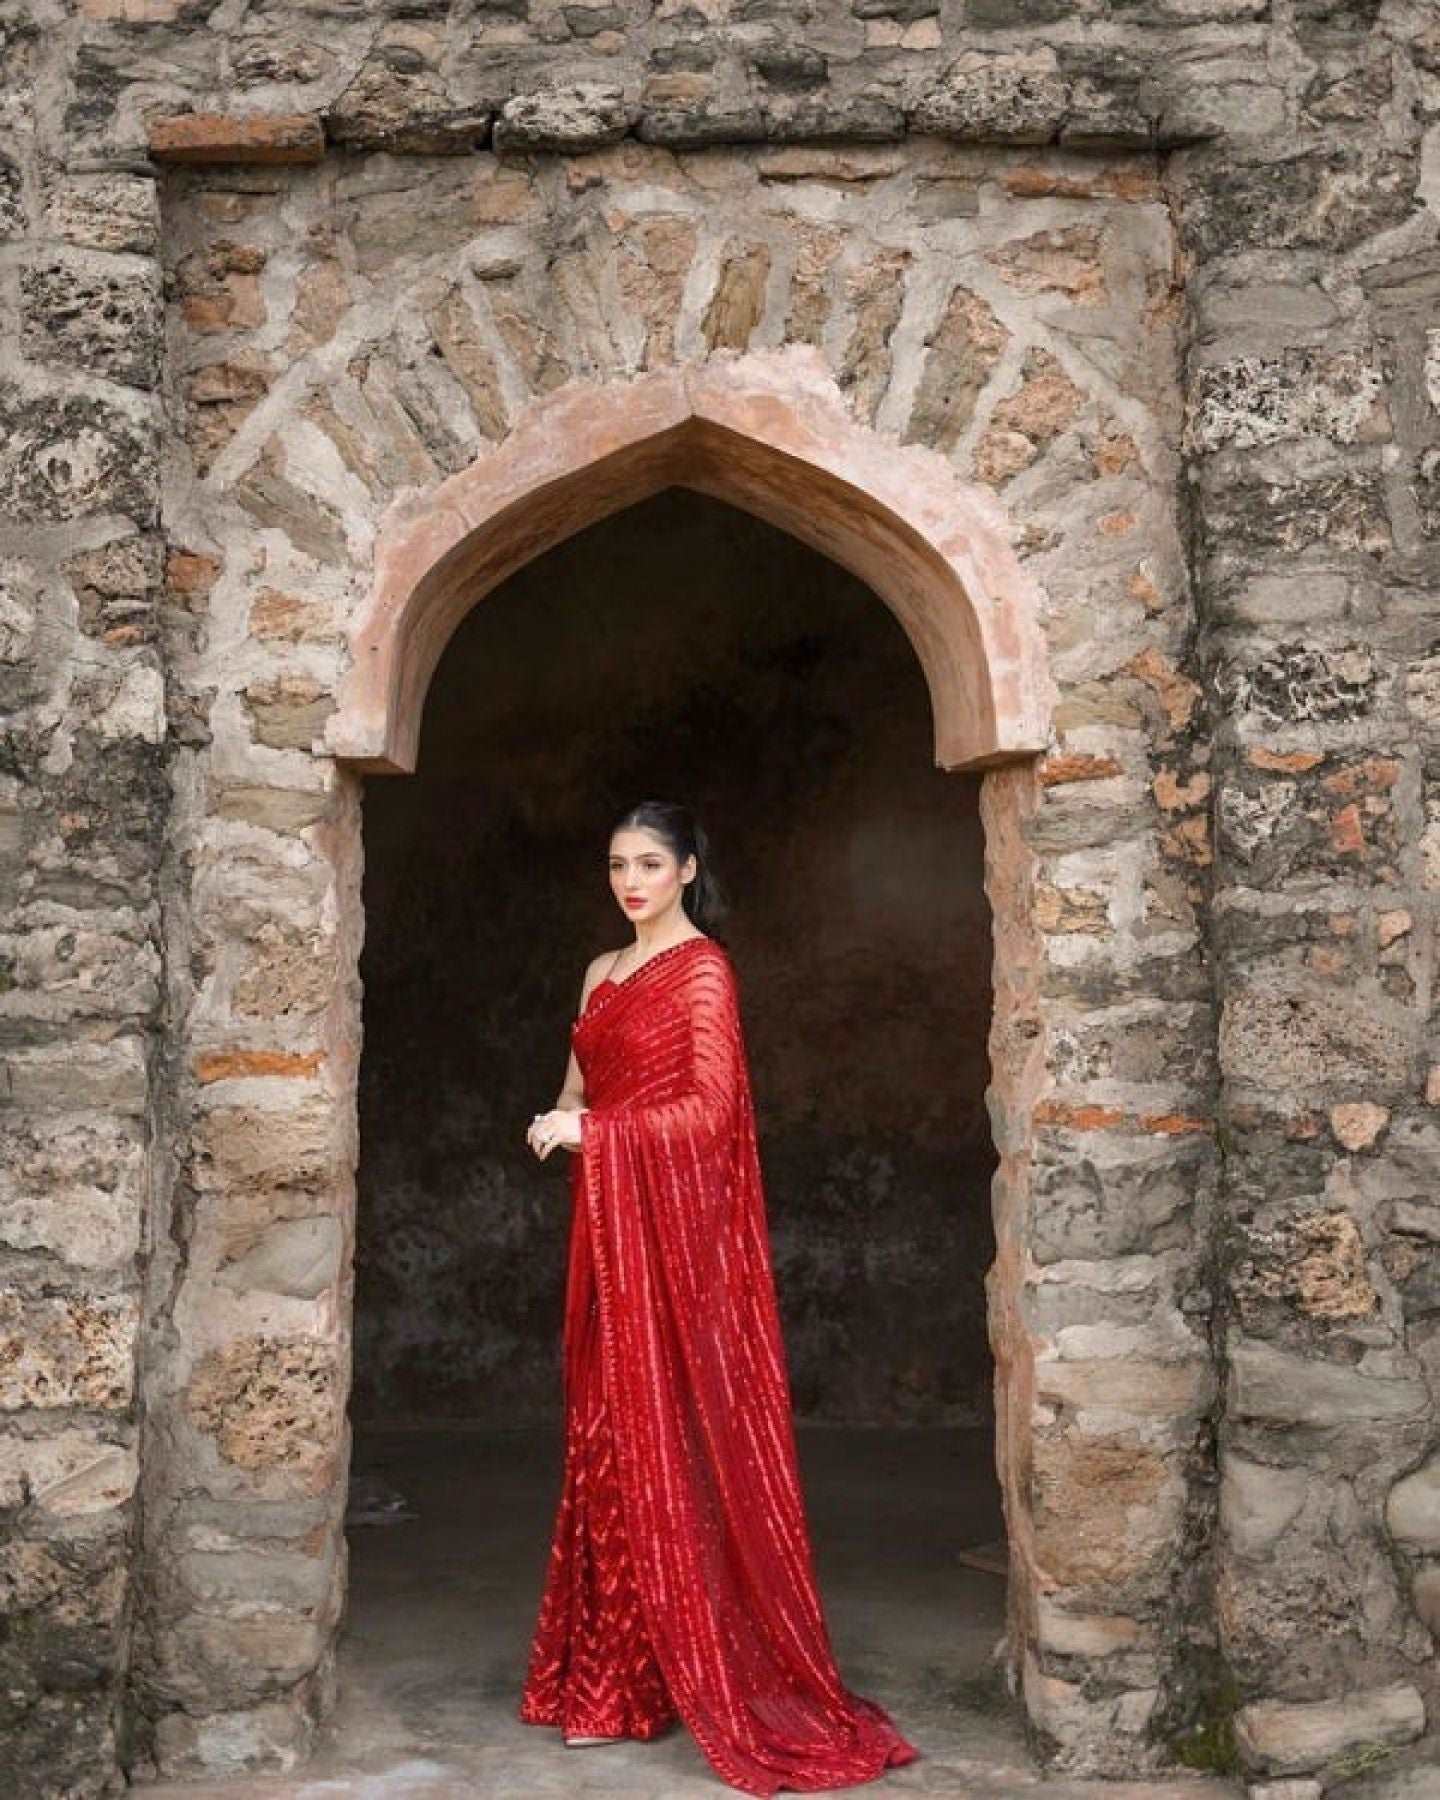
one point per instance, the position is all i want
(680, 1579)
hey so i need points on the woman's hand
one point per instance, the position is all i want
(557, 1129)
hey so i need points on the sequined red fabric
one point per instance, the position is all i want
(680, 1579)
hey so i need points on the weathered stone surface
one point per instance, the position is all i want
(964, 348)
(1258, 1502)
(1412, 1511)
(398, 102)
(69, 1351)
(1280, 1039)
(75, 1191)
(738, 301)
(242, 1146)
(71, 1475)
(1269, 1383)
(62, 457)
(585, 116)
(1264, 400)
(1018, 99)
(289, 711)
(1065, 261)
(1315, 1262)
(270, 1404)
(1279, 1738)
(106, 212)
(1027, 421)
(220, 286)
(1327, 199)
(296, 1256)
(1106, 1508)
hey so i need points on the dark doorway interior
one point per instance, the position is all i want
(681, 649)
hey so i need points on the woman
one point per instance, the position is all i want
(680, 1580)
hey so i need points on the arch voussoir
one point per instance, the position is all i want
(769, 432)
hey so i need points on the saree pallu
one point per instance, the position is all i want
(680, 1580)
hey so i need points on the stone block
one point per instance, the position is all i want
(1425, 1595)
(1283, 1387)
(1258, 1502)
(65, 455)
(113, 211)
(75, 1190)
(962, 350)
(300, 1257)
(1253, 400)
(989, 98)
(585, 116)
(289, 711)
(256, 1580)
(1106, 1509)
(271, 1405)
(399, 103)
(67, 1350)
(73, 1474)
(1280, 1038)
(799, 118)
(236, 1661)
(273, 1735)
(246, 1146)
(737, 304)
(80, 1074)
(1126, 1385)
(1290, 1737)
(1066, 261)
(1111, 1194)
(14, 216)
(1324, 199)
(1098, 1729)
(1412, 1510)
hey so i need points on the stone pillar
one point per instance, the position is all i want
(83, 804)
(1311, 436)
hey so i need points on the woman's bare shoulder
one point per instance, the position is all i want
(597, 966)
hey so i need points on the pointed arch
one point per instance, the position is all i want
(766, 431)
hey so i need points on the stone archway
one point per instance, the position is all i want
(769, 432)
(247, 1385)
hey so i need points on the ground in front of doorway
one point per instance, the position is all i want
(442, 1605)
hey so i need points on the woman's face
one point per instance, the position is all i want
(646, 879)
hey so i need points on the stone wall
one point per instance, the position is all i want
(1012, 231)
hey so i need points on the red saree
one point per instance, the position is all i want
(680, 1579)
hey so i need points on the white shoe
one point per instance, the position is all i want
(593, 1740)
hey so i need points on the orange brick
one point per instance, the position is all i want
(227, 1065)
(1174, 1124)
(1077, 1118)
(1347, 835)
(218, 138)
(1287, 762)
(1077, 766)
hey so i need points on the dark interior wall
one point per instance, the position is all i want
(681, 649)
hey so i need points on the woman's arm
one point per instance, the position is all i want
(572, 1088)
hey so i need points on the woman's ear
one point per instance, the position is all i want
(690, 864)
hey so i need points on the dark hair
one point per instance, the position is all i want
(681, 832)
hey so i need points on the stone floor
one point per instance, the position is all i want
(442, 1605)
